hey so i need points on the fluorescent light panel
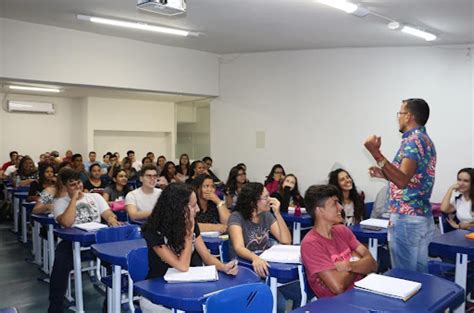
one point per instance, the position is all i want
(343, 5)
(419, 33)
(28, 88)
(133, 25)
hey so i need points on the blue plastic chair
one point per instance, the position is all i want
(112, 234)
(8, 310)
(137, 261)
(307, 294)
(247, 298)
(224, 251)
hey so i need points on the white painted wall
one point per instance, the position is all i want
(130, 124)
(317, 107)
(52, 54)
(33, 133)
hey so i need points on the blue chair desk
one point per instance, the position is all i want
(18, 195)
(26, 208)
(278, 273)
(455, 245)
(115, 253)
(436, 295)
(79, 238)
(374, 237)
(190, 296)
(48, 221)
(301, 221)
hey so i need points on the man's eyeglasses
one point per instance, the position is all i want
(401, 113)
(151, 176)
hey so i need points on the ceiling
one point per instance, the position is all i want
(77, 91)
(239, 26)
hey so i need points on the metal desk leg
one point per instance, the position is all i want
(24, 233)
(373, 247)
(76, 251)
(296, 233)
(16, 212)
(461, 277)
(51, 247)
(273, 288)
(116, 288)
(35, 238)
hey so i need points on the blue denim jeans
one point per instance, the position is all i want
(409, 239)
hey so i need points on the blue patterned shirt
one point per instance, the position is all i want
(414, 199)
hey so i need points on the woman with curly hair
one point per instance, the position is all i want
(173, 238)
(213, 213)
(274, 177)
(352, 201)
(250, 226)
(167, 175)
(237, 178)
(27, 171)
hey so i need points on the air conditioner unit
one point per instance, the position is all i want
(165, 7)
(30, 106)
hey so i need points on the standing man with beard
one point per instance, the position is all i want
(411, 176)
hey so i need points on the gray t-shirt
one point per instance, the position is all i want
(256, 236)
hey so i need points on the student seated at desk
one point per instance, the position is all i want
(197, 168)
(27, 172)
(273, 179)
(141, 201)
(46, 179)
(95, 184)
(334, 259)
(213, 213)
(76, 207)
(458, 200)
(183, 168)
(173, 238)
(237, 178)
(288, 193)
(118, 189)
(167, 175)
(352, 202)
(250, 226)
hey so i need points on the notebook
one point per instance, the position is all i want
(90, 226)
(194, 274)
(375, 222)
(389, 286)
(282, 254)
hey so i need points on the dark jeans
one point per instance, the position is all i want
(63, 264)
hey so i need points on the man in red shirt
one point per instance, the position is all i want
(13, 156)
(333, 258)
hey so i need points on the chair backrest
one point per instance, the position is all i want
(224, 249)
(306, 291)
(120, 233)
(368, 206)
(244, 298)
(137, 261)
(8, 310)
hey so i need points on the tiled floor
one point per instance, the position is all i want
(19, 284)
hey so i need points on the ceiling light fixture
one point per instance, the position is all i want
(346, 6)
(418, 33)
(136, 25)
(28, 88)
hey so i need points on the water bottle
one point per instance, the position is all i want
(297, 210)
(17, 181)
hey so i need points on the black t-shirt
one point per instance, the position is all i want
(35, 189)
(95, 189)
(156, 266)
(211, 216)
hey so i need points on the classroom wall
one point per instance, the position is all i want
(131, 124)
(52, 54)
(34, 133)
(313, 108)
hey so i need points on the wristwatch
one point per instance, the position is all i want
(382, 163)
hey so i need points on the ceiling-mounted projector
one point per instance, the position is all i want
(165, 7)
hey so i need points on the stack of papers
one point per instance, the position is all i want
(194, 274)
(375, 222)
(282, 254)
(90, 226)
(389, 286)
